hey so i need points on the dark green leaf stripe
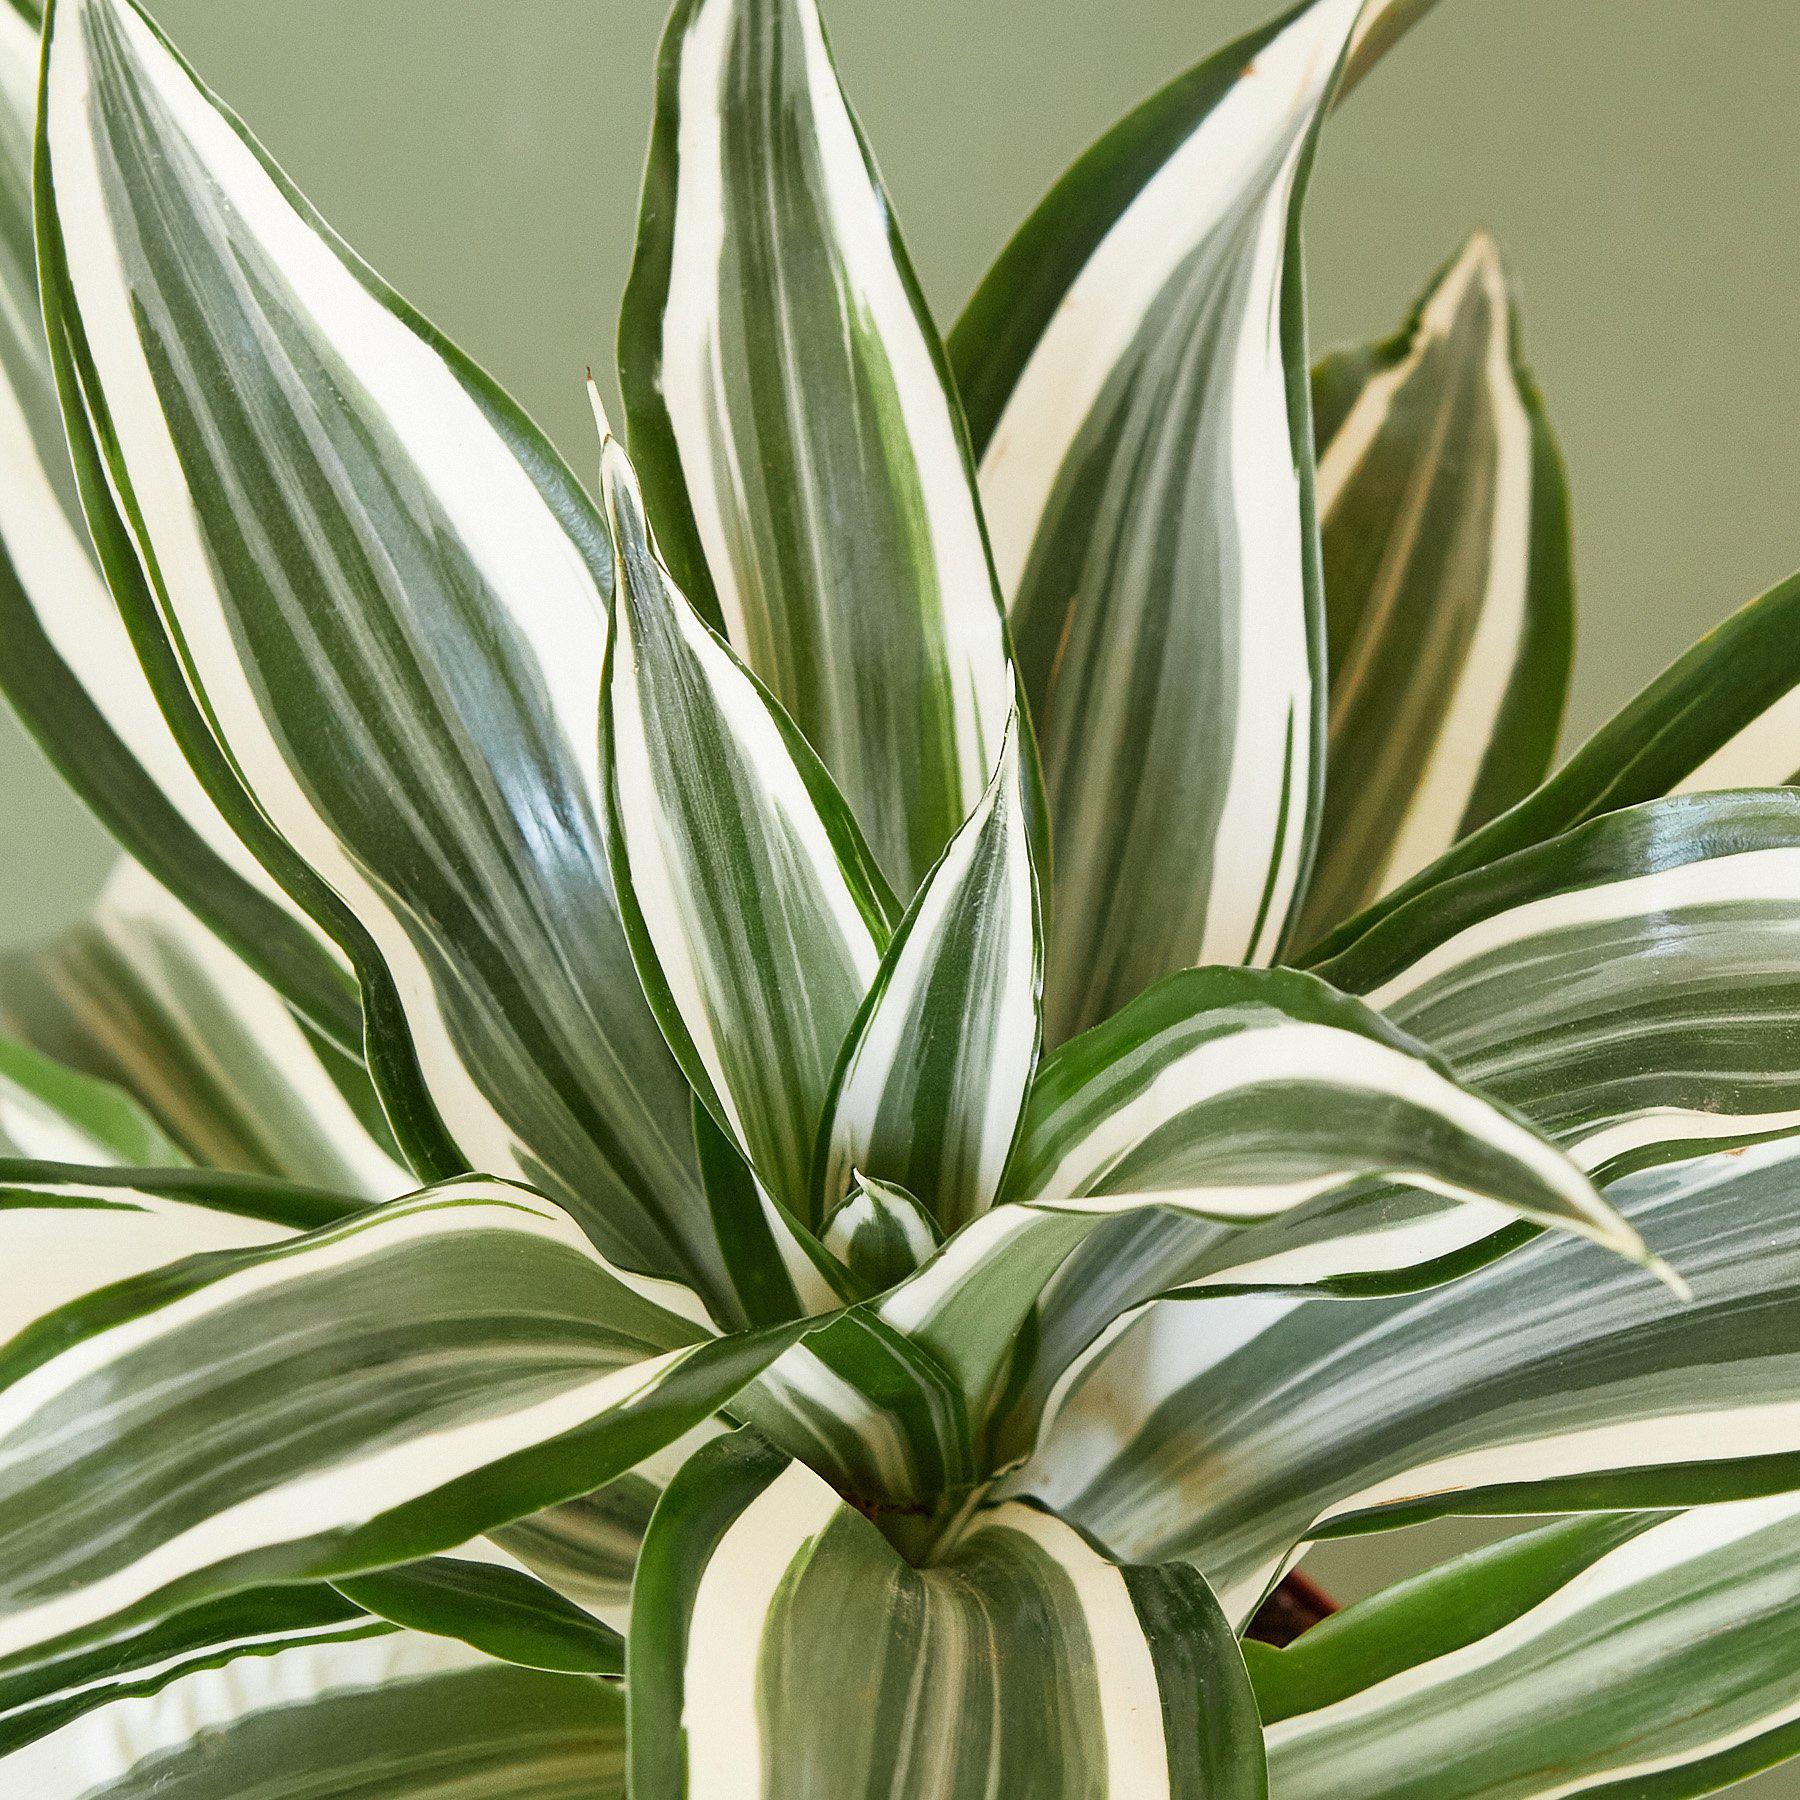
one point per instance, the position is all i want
(261, 1622)
(779, 1646)
(391, 1717)
(1145, 443)
(375, 603)
(141, 994)
(1588, 1657)
(934, 1072)
(1448, 589)
(372, 1392)
(789, 408)
(1231, 1429)
(1725, 715)
(1530, 976)
(502, 1611)
(756, 914)
(69, 670)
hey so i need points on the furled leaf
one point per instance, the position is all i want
(502, 1611)
(1628, 1654)
(1725, 715)
(399, 1715)
(756, 916)
(1134, 368)
(780, 1647)
(57, 1114)
(806, 465)
(880, 1233)
(371, 602)
(142, 994)
(375, 1391)
(934, 1073)
(1448, 589)
(1231, 1429)
(68, 667)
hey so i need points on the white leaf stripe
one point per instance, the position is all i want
(1020, 1650)
(352, 527)
(69, 668)
(1547, 1381)
(790, 409)
(399, 1714)
(757, 919)
(364, 1455)
(1170, 667)
(1447, 581)
(143, 995)
(934, 1073)
(1682, 1629)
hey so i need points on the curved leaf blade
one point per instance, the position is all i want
(1134, 368)
(396, 1714)
(1590, 1656)
(934, 1072)
(372, 1392)
(753, 909)
(371, 602)
(1443, 516)
(780, 1646)
(790, 411)
(142, 995)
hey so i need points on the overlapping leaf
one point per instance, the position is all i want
(1444, 522)
(789, 407)
(371, 602)
(140, 994)
(779, 1646)
(756, 916)
(1134, 367)
(1554, 1379)
(69, 670)
(393, 1713)
(1634, 1654)
(374, 1391)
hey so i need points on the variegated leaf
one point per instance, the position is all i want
(755, 913)
(56, 1114)
(68, 667)
(880, 1233)
(377, 1390)
(143, 995)
(1726, 715)
(1638, 1654)
(1448, 589)
(934, 1073)
(789, 408)
(1022, 1664)
(369, 596)
(1232, 1429)
(392, 1713)
(1134, 369)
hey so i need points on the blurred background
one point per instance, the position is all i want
(1636, 158)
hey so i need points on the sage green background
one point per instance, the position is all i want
(1637, 159)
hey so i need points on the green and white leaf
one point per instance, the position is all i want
(880, 1233)
(1134, 368)
(51, 1113)
(1630, 1654)
(69, 669)
(756, 916)
(791, 414)
(371, 602)
(1443, 515)
(779, 1646)
(1724, 715)
(933, 1077)
(375, 1391)
(1233, 1429)
(140, 994)
(399, 1715)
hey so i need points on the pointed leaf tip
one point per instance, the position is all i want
(602, 423)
